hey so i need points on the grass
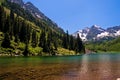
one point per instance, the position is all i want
(62, 51)
(35, 51)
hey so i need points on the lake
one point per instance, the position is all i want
(83, 67)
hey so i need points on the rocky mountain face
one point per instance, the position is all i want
(31, 8)
(20, 2)
(36, 13)
(96, 33)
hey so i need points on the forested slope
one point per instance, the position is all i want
(106, 46)
(22, 34)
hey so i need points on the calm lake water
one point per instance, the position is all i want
(83, 67)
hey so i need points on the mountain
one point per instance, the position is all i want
(25, 30)
(34, 12)
(31, 8)
(20, 2)
(96, 33)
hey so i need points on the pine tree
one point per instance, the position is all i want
(43, 42)
(55, 44)
(34, 39)
(23, 33)
(29, 31)
(72, 43)
(50, 42)
(79, 45)
(11, 23)
(7, 25)
(1, 18)
(16, 38)
(67, 39)
(17, 26)
(26, 51)
(12, 16)
(42, 39)
(64, 44)
(6, 42)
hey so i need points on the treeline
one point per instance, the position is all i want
(106, 46)
(17, 30)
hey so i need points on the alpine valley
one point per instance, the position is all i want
(97, 39)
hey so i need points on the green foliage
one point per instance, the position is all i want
(107, 46)
(26, 51)
(1, 1)
(63, 51)
(6, 51)
(35, 51)
(6, 42)
(25, 37)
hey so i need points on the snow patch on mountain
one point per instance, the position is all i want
(104, 34)
(98, 33)
(81, 34)
(117, 33)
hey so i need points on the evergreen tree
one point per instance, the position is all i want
(7, 25)
(42, 39)
(72, 43)
(17, 26)
(12, 23)
(43, 42)
(64, 42)
(50, 42)
(23, 33)
(34, 39)
(16, 38)
(12, 16)
(67, 40)
(29, 31)
(6, 42)
(79, 45)
(26, 51)
(2, 17)
(55, 44)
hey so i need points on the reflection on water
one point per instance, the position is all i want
(105, 67)
(85, 67)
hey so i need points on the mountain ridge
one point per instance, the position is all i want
(37, 14)
(96, 33)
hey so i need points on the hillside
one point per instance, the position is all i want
(21, 33)
(106, 46)
(32, 13)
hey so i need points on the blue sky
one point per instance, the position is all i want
(73, 15)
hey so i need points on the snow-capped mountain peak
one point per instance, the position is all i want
(98, 33)
(95, 26)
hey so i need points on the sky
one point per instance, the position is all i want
(73, 15)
